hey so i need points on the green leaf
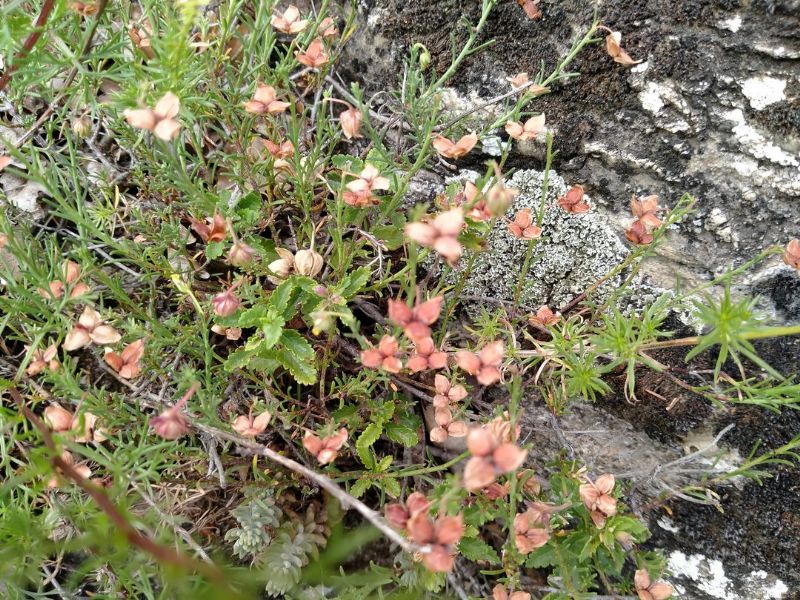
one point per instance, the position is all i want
(390, 486)
(402, 435)
(248, 208)
(477, 549)
(347, 162)
(346, 412)
(384, 411)
(264, 247)
(272, 328)
(297, 357)
(252, 317)
(542, 557)
(384, 464)
(281, 296)
(353, 282)
(359, 487)
(475, 515)
(214, 250)
(390, 235)
(343, 314)
(310, 303)
(238, 359)
(264, 364)
(368, 437)
(472, 241)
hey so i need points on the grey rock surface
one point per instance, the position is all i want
(573, 252)
(713, 110)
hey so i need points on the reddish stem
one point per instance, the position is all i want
(163, 554)
(30, 41)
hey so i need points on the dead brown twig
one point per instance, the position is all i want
(321, 480)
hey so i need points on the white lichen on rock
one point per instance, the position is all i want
(708, 576)
(756, 144)
(763, 91)
(574, 251)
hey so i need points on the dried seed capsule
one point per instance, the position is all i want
(308, 263)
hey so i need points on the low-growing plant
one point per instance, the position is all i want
(224, 329)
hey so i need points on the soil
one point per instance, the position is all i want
(755, 527)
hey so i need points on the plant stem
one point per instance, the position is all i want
(513, 406)
(753, 334)
(322, 481)
(30, 42)
(410, 472)
(584, 41)
(526, 265)
(556, 74)
(87, 43)
(462, 280)
(733, 272)
(488, 5)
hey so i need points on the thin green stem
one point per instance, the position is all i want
(728, 275)
(513, 409)
(410, 472)
(558, 72)
(526, 265)
(486, 10)
(456, 294)
(753, 334)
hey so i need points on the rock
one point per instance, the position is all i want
(697, 574)
(714, 109)
(574, 252)
(21, 194)
(16, 191)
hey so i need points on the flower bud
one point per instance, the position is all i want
(323, 321)
(424, 60)
(240, 254)
(81, 126)
(281, 267)
(58, 418)
(499, 198)
(226, 303)
(481, 441)
(71, 271)
(170, 424)
(509, 457)
(308, 263)
(350, 120)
